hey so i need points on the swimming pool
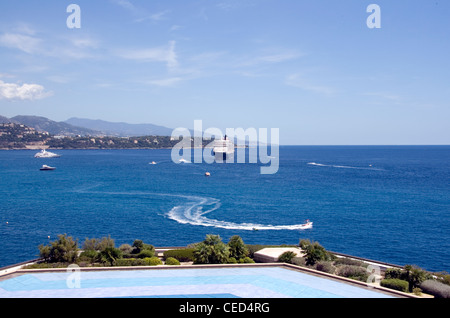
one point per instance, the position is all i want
(234, 282)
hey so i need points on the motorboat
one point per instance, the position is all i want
(307, 225)
(47, 168)
(46, 154)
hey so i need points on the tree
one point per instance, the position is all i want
(138, 245)
(314, 252)
(98, 245)
(415, 276)
(110, 255)
(211, 251)
(62, 250)
(287, 257)
(238, 250)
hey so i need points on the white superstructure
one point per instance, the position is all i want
(46, 154)
(223, 148)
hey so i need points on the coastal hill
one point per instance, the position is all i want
(43, 124)
(120, 129)
(20, 136)
(33, 132)
(87, 127)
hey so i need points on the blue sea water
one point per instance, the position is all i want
(387, 203)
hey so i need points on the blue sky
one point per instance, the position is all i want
(311, 68)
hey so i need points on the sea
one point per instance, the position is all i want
(384, 203)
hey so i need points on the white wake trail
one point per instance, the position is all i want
(194, 210)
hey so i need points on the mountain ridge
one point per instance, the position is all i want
(120, 129)
(44, 124)
(87, 127)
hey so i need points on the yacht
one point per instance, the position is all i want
(223, 148)
(46, 154)
(46, 168)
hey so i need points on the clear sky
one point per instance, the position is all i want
(312, 68)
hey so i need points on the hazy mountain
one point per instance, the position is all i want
(4, 120)
(53, 127)
(120, 129)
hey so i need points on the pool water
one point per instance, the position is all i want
(236, 282)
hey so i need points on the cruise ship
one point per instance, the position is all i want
(223, 149)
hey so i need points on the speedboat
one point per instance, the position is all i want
(46, 154)
(307, 225)
(47, 168)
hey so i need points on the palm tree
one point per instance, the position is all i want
(211, 251)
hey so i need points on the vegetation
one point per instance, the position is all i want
(397, 284)
(63, 250)
(19, 136)
(435, 288)
(212, 250)
(237, 248)
(314, 252)
(287, 257)
(172, 261)
(411, 274)
(182, 255)
(103, 252)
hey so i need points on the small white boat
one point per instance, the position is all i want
(307, 225)
(46, 154)
(183, 160)
(46, 168)
(152, 163)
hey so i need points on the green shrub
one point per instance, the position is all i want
(152, 261)
(299, 261)
(348, 261)
(417, 291)
(145, 254)
(326, 266)
(246, 260)
(232, 260)
(286, 257)
(237, 247)
(182, 255)
(130, 262)
(435, 288)
(353, 272)
(126, 249)
(124, 262)
(393, 273)
(314, 252)
(443, 277)
(90, 256)
(172, 261)
(397, 284)
(110, 255)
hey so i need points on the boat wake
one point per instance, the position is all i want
(343, 167)
(195, 209)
